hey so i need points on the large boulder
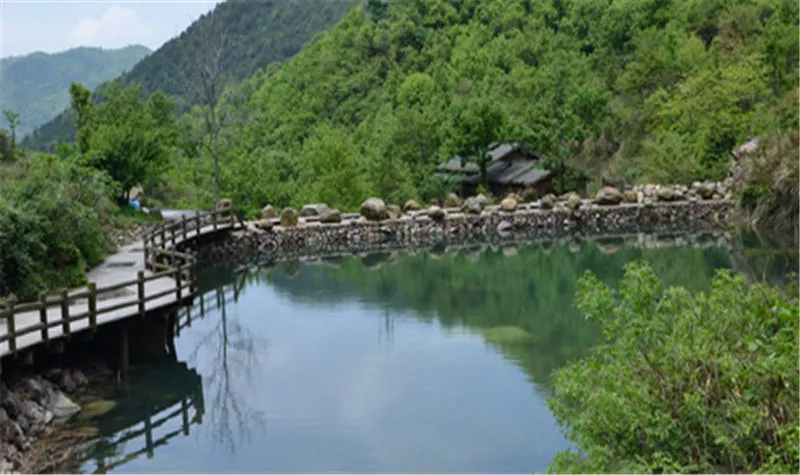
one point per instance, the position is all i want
(509, 205)
(436, 213)
(666, 193)
(331, 216)
(289, 217)
(411, 205)
(315, 209)
(548, 201)
(609, 195)
(706, 191)
(473, 205)
(268, 212)
(374, 209)
(452, 201)
(516, 197)
(224, 204)
(61, 406)
(394, 211)
(574, 201)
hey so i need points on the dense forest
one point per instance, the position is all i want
(243, 36)
(633, 90)
(35, 85)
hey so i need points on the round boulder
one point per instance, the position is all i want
(473, 205)
(436, 213)
(549, 201)
(289, 217)
(224, 204)
(516, 198)
(374, 209)
(268, 212)
(452, 201)
(609, 195)
(315, 209)
(666, 193)
(574, 201)
(631, 197)
(411, 205)
(331, 216)
(394, 211)
(509, 205)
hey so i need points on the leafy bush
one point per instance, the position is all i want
(684, 382)
(52, 223)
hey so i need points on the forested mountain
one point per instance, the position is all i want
(35, 85)
(637, 89)
(245, 36)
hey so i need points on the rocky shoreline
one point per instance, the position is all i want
(275, 239)
(36, 412)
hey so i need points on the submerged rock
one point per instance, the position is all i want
(97, 408)
(61, 406)
(507, 334)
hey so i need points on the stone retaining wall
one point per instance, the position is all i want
(418, 230)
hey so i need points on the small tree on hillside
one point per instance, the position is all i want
(476, 123)
(81, 106)
(13, 122)
(207, 81)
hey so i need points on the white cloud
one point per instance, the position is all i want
(116, 27)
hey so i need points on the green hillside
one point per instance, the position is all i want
(256, 34)
(637, 89)
(35, 85)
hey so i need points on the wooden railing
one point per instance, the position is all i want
(53, 315)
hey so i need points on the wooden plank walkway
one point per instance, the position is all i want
(141, 277)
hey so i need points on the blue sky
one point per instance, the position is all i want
(50, 26)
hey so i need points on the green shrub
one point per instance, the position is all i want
(53, 220)
(683, 382)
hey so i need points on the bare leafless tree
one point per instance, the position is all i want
(204, 75)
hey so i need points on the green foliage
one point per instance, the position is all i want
(126, 137)
(684, 382)
(52, 218)
(34, 84)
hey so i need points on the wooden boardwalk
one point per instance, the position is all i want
(145, 276)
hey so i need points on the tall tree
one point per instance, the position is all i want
(81, 106)
(205, 62)
(13, 122)
(476, 122)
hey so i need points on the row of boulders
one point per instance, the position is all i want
(29, 405)
(375, 209)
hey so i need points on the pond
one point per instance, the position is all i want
(435, 362)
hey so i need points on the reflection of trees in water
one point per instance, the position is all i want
(234, 354)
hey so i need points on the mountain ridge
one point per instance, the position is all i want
(36, 85)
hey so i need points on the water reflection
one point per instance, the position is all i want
(422, 395)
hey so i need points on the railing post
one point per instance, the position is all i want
(183, 227)
(178, 283)
(140, 292)
(65, 312)
(12, 332)
(146, 241)
(185, 413)
(163, 238)
(173, 230)
(43, 316)
(197, 224)
(93, 306)
(148, 427)
(202, 305)
(214, 219)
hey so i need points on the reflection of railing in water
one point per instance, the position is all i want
(209, 301)
(152, 422)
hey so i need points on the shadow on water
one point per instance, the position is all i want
(517, 299)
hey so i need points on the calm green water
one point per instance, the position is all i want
(431, 362)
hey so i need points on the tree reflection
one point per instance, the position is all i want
(235, 357)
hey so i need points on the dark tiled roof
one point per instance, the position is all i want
(497, 151)
(520, 172)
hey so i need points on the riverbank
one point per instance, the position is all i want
(38, 413)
